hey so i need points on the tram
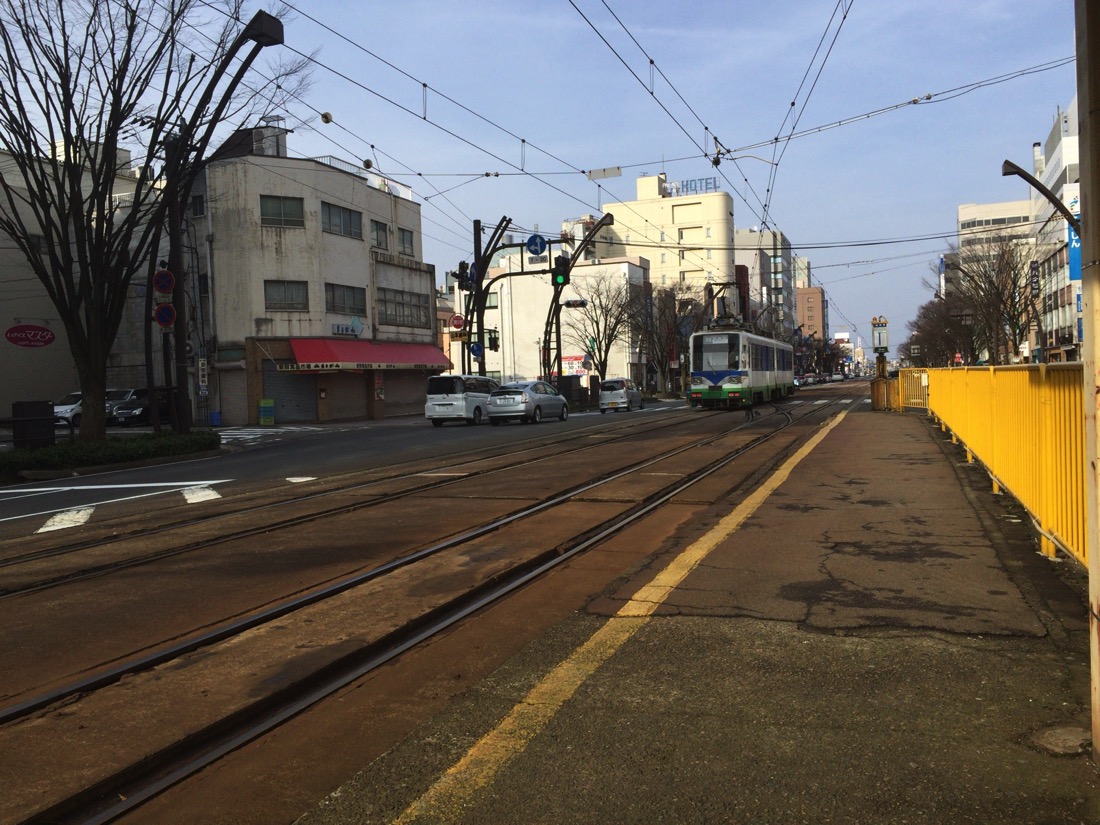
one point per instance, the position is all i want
(734, 368)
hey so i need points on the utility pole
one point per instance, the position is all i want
(1088, 105)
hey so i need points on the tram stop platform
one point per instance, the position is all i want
(871, 636)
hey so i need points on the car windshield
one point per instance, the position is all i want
(118, 395)
(69, 400)
(611, 386)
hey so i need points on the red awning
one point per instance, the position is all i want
(330, 354)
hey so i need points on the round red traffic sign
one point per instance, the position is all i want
(163, 281)
(457, 321)
(165, 315)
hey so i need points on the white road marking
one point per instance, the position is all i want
(300, 479)
(196, 494)
(67, 518)
(165, 487)
(173, 484)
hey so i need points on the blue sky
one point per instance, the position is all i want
(535, 95)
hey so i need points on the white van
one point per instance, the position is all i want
(620, 394)
(458, 398)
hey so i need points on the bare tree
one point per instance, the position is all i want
(991, 289)
(85, 86)
(664, 320)
(603, 321)
(940, 331)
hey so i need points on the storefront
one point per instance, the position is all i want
(325, 379)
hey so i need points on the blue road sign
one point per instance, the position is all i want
(536, 244)
(476, 349)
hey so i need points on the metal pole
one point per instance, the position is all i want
(1088, 105)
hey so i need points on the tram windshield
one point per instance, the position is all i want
(715, 352)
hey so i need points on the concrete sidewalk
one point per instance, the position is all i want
(871, 637)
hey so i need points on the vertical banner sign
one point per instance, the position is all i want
(1074, 242)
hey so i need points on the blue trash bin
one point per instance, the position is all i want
(215, 418)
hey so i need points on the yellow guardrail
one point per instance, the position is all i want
(1026, 425)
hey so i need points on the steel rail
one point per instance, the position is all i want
(117, 798)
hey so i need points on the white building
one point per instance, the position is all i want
(516, 310)
(1057, 247)
(310, 292)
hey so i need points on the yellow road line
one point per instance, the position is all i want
(452, 792)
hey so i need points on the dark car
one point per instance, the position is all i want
(137, 409)
(116, 397)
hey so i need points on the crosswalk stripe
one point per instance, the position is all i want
(67, 518)
(196, 494)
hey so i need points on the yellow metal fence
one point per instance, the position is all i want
(1026, 425)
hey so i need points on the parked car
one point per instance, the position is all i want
(838, 376)
(458, 398)
(136, 409)
(526, 401)
(620, 394)
(67, 410)
(116, 397)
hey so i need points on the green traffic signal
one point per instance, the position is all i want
(560, 275)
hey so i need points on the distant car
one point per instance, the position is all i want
(838, 376)
(136, 410)
(67, 410)
(620, 394)
(526, 401)
(808, 380)
(116, 397)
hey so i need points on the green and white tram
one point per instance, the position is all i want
(735, 368)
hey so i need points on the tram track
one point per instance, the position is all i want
(190, 753)
(231, 509)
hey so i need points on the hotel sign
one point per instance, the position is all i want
(696, 186)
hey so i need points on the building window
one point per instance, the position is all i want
(198, 206)
(492, 301)
(663, 257)
(341, 221)
(405, 309)
(350, 300)
(379, 236)
(283, 296)
(405, 242)
(708, 231)
(277, 211)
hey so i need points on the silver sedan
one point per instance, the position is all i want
(526, 401)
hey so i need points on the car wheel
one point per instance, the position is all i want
(477, 416)
(603, 411)
(564, 414)
(437, 422)
(536, 416)
(641, 404)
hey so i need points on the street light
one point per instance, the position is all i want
(263, 30)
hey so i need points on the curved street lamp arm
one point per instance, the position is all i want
(1010, 168)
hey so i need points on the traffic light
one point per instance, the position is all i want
(494, 340)
(561, 270)
(462, 277)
